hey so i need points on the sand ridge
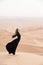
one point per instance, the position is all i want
(29, 50)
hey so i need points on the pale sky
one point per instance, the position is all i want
(21, 8)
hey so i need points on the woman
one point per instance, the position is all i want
(11, 46)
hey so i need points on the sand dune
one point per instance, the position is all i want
(21, 59)
(29, 50)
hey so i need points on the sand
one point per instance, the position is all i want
(21, 59)
(29, 50)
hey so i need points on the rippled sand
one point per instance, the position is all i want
(29, 50)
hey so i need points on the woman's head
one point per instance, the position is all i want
(17, 30)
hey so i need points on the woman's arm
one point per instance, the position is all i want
(13, 36)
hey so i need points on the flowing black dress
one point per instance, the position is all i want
(11, 46)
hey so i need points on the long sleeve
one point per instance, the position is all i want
(13, 36)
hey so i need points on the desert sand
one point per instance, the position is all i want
(29, 50)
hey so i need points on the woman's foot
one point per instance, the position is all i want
(13, 53)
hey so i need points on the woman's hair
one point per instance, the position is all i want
(17, 30)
